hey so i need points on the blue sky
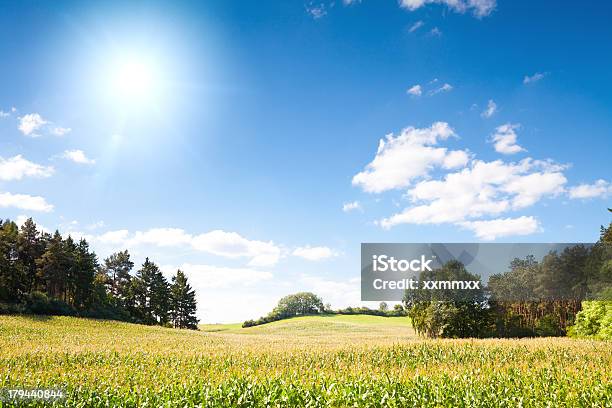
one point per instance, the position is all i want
(240, 141)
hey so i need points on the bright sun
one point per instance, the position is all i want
(135, 80)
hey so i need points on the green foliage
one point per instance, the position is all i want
(594, 320)
(113, 364)
(446, 312)
(182, 303)
(276, 314)
(48, 274)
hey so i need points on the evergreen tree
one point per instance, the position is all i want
(12, 286)
(86, 264)
(117, 269)
(52, 267)
(183, 303)
(30, 247)
(151, 294)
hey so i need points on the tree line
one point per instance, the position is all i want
(308, 304)
(45, 273)
(532, 298)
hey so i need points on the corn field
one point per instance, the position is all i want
(310, 363)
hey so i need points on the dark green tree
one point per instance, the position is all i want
(151, 294)
(183, 303)
(448, 312)
(52, 266)
(302, 303)
(86, 264)
(117, 268)
(12, 279)
(30, 247)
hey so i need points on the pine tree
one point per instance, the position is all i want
(151, 294)
(86, 264)
(183, 303)
(30, 247)
(12, 286)
(117, 268)
(52, 267)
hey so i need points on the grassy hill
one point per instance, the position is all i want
(313, 360)
(372, 327)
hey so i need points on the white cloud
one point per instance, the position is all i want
(504, 139)
(600, 188)
(350, 2)
(162, 237)
(215, 277)
(340, 294)
(353, 205)
(490, 110)
(30, 123)
(415, 90)
(77, 156)
(479, 8)
(316, 253)
(24, 202)
(492, 229)
(444, 88)
(221, 243)
(533, 78)
(60, 131)
(16, 168)
(118, 237)
(233, 245)
(484, 189)
(4, 114)
(455, 159)
(407, 156)
(416, 26)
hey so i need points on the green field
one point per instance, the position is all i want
(308, 361)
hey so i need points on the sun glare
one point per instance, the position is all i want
(135, 80)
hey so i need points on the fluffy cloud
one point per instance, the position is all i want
(490, 110)
(30, 123)
(407, 156)
(415, 90)
(484, 189)
(533, 78)
(24, 202)
(492, 229)
(317, 253)
(479, 8)
(204, 277)
(16, 168)
(354, 205)
(601, 188)
(504, 139)
(233, 245)
(217, 242)
(118, 237)
(77, 156)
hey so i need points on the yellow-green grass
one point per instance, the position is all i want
(307, 361)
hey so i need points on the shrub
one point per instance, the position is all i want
(594, 320)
